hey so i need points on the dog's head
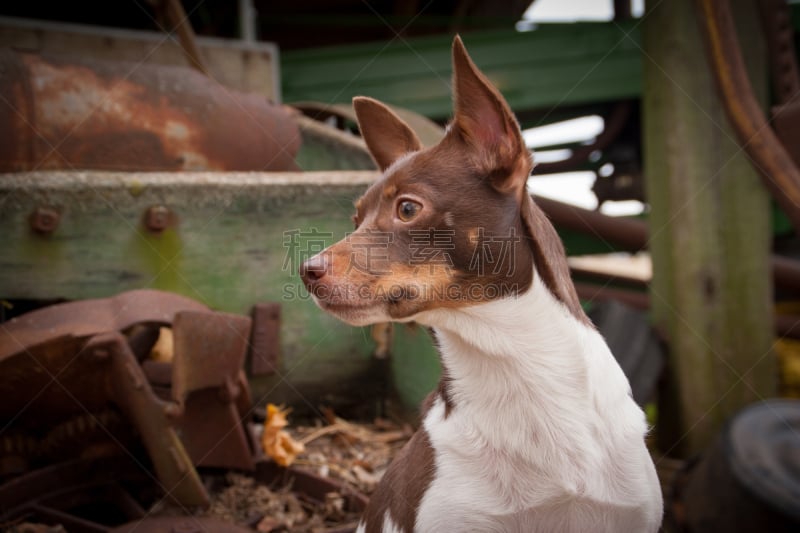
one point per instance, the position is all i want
(447, 226)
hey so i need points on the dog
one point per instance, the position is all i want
(533, 427)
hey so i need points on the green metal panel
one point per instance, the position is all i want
(554, 65)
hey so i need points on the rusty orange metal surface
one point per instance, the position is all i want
(58, 113)
(79, 360)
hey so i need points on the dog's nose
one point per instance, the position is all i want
(314, 269)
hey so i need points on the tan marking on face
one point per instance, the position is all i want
(472, 234)
(390, 191)
(356, 219)
(375, 286)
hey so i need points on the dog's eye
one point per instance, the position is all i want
(408, 209)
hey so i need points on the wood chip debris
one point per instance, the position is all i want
(355, 454)
(242, 501)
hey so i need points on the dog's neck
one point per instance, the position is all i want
(521, 368)
(510, 327)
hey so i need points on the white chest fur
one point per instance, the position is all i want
(543, 435)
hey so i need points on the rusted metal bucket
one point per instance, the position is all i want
(61, 113)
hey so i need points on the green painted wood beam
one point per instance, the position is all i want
(555, 65)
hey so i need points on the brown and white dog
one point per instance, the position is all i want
(533, 427)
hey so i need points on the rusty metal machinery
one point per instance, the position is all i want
(112, 405)
(75, 370)
(80, 113)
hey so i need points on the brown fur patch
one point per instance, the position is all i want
(403, 485)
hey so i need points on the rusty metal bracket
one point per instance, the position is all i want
(265, 339)
(778, 171)
(129, 389)
(209, 351)
(207, 386)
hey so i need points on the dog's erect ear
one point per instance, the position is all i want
(386, 135)
(487, 125)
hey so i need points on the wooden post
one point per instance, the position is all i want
(709, 231)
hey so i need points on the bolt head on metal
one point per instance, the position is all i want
(157, 218)
(44, 220)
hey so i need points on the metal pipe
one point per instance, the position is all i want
(179, 21)
(626, 233)
(778, 172)
(632, 235)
